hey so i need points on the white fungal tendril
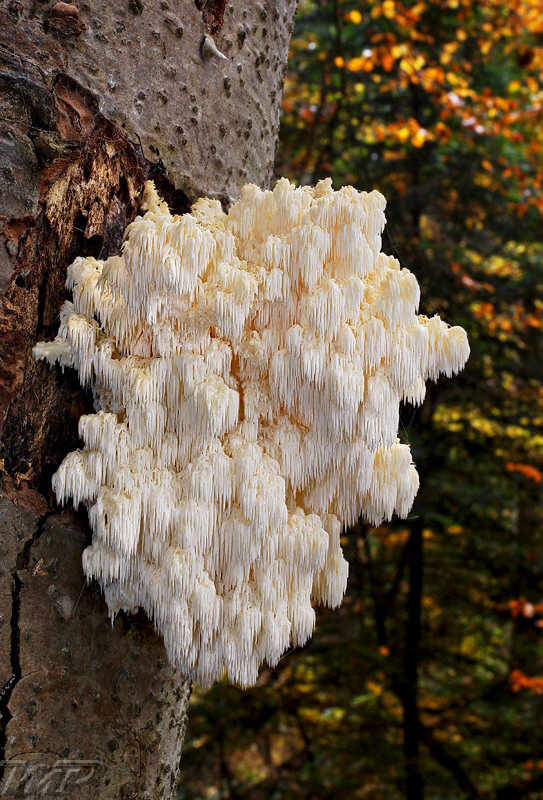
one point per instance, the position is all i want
(248, 369)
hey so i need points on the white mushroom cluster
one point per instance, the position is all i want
(248, 368)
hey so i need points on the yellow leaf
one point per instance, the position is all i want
(397, 50)
(418, 139)
(355, 16)
(407, 66)
(389, 9)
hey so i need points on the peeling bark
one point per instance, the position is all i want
(212, 14)
(79, 135)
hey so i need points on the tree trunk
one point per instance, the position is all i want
(98, 98)
(409, 694)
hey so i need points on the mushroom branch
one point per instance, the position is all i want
(248, 369)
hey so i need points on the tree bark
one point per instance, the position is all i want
(97, 99)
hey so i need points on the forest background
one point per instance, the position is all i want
(428, 682)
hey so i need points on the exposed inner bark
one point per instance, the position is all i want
(84, 211)
(212, 14)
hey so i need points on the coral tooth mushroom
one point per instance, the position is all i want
(248, 369)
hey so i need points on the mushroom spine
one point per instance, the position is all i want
(248, 369)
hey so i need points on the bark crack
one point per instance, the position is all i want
(21, 563)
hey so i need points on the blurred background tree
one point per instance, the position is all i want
(428, 682)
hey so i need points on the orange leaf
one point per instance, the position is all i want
(519, 680)
(355, 64)
(527, 470)
(387, 62)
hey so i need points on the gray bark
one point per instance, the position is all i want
(96, 98)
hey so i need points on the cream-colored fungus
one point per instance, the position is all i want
(248, 368)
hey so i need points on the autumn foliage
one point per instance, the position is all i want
(428, 683)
